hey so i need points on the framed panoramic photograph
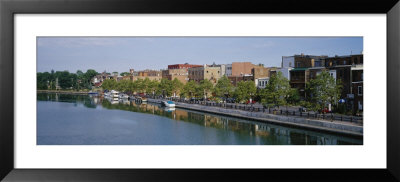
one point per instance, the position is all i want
(125, 91)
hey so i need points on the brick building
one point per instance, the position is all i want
(300, 74)
(349, 69)
(205, 72)
(241, 68)
(235, 79)
(150, 74)
(178, 71)
(260, 75)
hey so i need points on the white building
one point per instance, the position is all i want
(285, 72)
(261, 82)
(287, 61)
(228, 69)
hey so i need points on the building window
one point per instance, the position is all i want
(360, 91)
(290, 64)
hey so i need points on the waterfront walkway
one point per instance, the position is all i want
(334, 126)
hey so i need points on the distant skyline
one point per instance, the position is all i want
(122, 53)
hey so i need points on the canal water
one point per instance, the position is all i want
(83, 120)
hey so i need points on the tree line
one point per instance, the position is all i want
(65, 79)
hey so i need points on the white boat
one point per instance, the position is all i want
(169, 109)
(114, 94)
(168, 103)
(123, 96)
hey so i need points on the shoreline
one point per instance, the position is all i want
(347, 129)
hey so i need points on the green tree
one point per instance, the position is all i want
(132, 86)
(245, 90)
(206, 86)
(80, 79)
(87, 77)
(42, 80)
(140, 87)
(109, 84)
(64, 79)
(124, 74)
(165, 87)
(176, 86)
(190, 88)
(223, 87)
(276, 91)
(145, 85)
(123, 85)
(293, 96)
(152, 88)
(323, 90)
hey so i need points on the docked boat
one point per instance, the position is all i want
(168, 103)
(123, 96)
(140, 99)
(169, 109)
(114, 93)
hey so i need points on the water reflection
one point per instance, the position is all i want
(245, 131)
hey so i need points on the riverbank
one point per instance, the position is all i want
(63, 92)
(344, 128)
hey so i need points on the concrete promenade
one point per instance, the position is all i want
(337, 127)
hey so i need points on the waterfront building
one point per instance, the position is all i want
(235, 79)
(178, 71)
(241, 68)
(260, 75)
(228, 70)
(262, 82)
(150, 74)
(97, 80)
(349, 70)
(205, 72)
(222, 68)
(248, 77)
(299, 74)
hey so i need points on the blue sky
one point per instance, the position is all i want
(122, 53)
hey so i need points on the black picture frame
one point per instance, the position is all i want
(8, 8)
